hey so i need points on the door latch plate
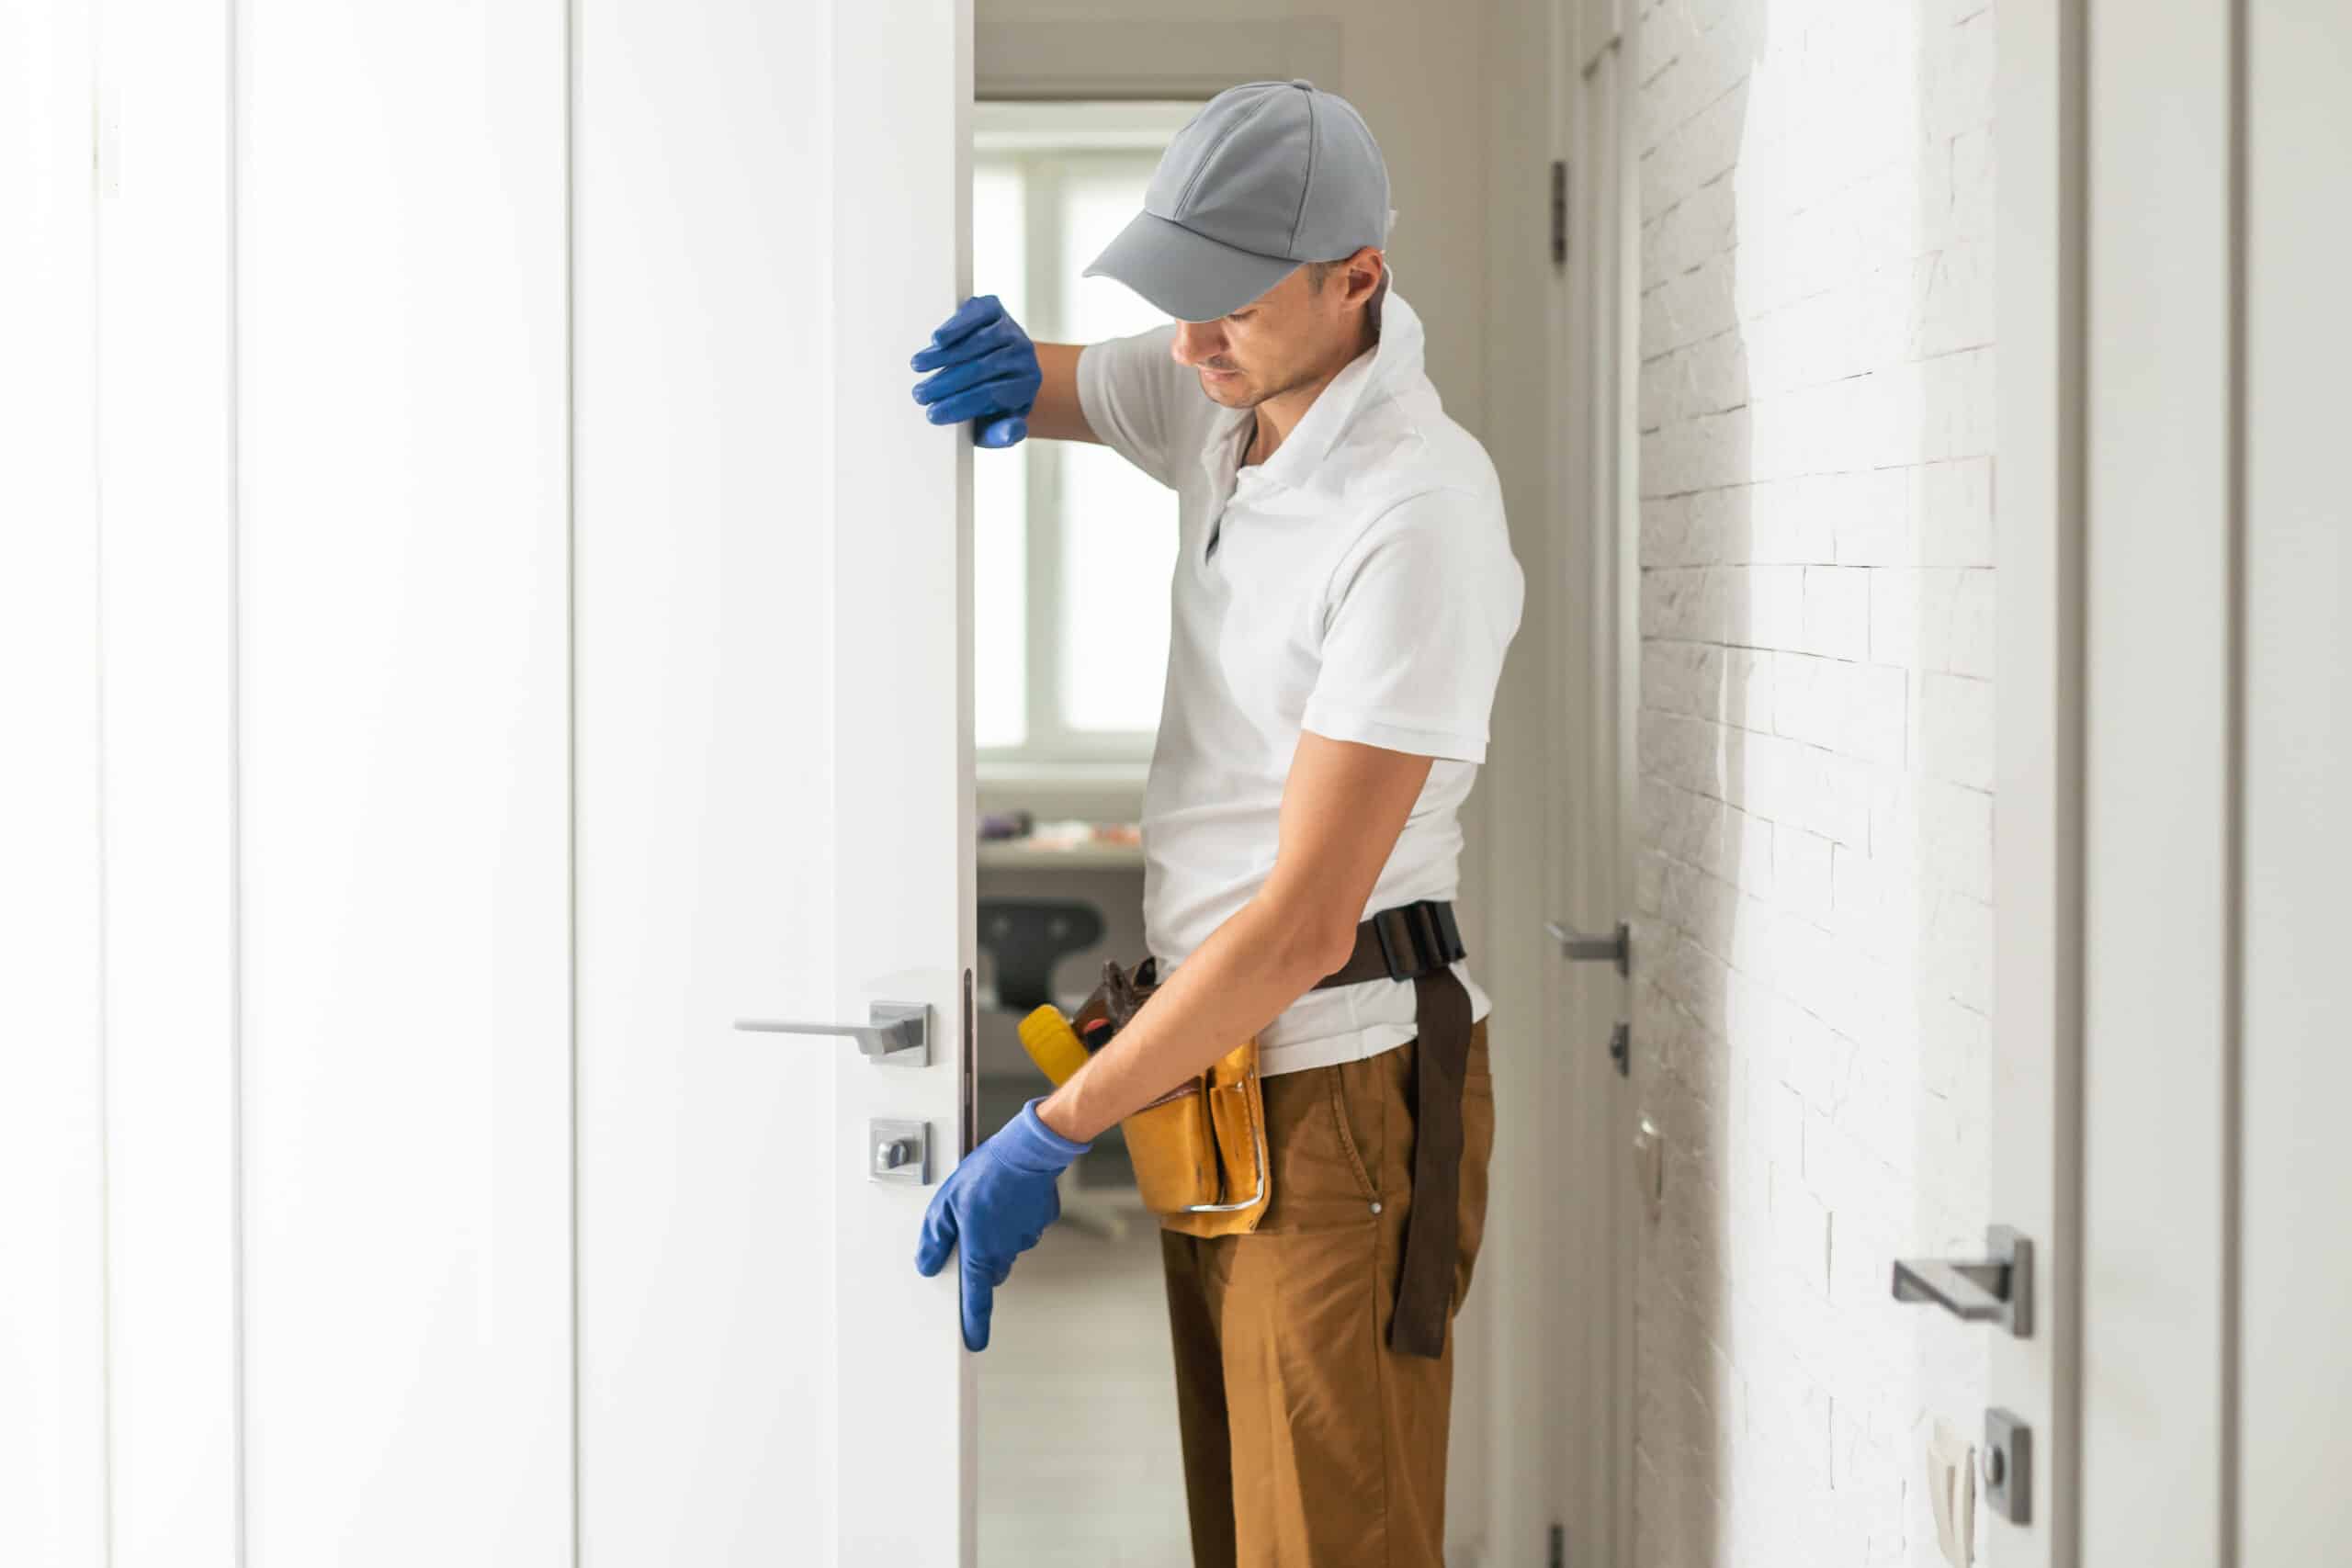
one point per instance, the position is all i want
(899, 1151)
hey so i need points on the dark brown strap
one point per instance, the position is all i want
(1402, 943)
(1441, 1059)
(1417, 942)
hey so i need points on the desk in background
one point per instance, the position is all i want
(1109, 875)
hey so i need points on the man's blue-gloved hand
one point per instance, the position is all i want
(993, 1208)
(985, 369)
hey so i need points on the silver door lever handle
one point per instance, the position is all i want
(1995, 1288)
(896, 1034)
(1617, 947)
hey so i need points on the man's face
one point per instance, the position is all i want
(1288, 337)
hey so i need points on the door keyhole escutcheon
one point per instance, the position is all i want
(899, 1151)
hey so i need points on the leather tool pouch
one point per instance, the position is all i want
(1200, 1149)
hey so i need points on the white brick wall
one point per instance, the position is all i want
(1816, 760)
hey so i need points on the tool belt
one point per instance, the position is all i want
(1200, 1150)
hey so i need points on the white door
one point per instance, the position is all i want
(2176, 731)
(2035, 1137)
(51, 1264)
(772, 575)
(1593, 769)
(481, 614)
(2294, 1201)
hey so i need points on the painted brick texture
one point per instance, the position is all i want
(1815, 813)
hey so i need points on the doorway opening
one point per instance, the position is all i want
(1072, 549)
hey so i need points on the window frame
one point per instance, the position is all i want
(1043, 143)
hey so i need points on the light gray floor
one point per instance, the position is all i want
(1079, 1458)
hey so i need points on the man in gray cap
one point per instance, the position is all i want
(1342, 600)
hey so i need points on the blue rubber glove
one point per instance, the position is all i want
(985, 369)
(993, 1207)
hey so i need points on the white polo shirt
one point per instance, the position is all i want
(1358, 583)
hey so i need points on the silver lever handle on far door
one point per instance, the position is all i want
(1617, 947)
(897, 1034)
(1997, 1288)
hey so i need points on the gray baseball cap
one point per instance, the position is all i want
(1267, 175)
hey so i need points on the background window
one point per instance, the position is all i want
(1072, 545)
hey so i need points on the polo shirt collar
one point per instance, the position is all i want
(1396, 358)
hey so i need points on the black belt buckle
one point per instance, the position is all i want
(1416, 939)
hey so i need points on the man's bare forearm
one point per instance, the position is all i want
(1056, 415)
(1235, 984)
(1343, 804)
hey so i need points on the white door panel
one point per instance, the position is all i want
(1591, 782)
(902, 759)
(52, 1442)
(2295, 1362)
(705, 775)
(483, 614)
(2035, 1140)
(2155, 780)
(2175, 737)
(405, 974)
(773, 767)
(167, 675)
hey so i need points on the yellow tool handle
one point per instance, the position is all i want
(1052, 1043)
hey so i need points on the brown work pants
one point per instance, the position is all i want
(1309, 1443)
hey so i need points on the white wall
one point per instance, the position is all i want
(1814, 812)
(289, 696)
(285, 905)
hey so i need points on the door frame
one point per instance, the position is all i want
(1559, 1250)
(1512, 1479)
(914, 808)
(2117, 1054)
(1593, 860)
(2034, 1143)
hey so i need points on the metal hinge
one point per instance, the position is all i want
(1621, 1049)
(1559, 212)
(1559, 1557)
